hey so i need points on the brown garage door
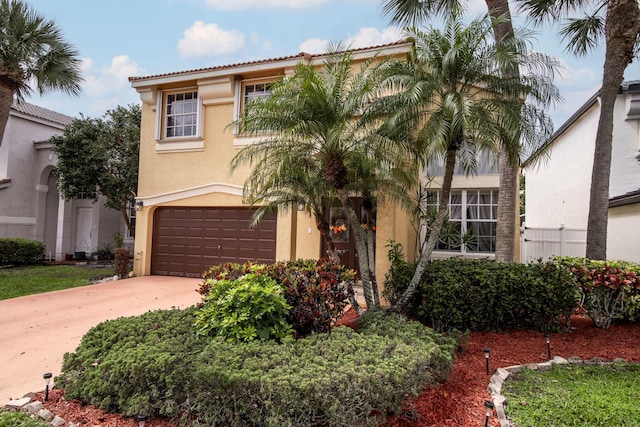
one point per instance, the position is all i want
(187, 241)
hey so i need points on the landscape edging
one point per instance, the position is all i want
(501, 374)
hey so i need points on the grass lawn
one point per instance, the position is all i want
(20, 281)
(575, 395)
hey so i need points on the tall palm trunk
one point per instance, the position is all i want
(370, 236)
(323, 227)
(434, 232)
(621, 32)
(361, 247)
(6, 101)
(509, 170)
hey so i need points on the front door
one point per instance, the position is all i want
(83, 229)
(341, 232)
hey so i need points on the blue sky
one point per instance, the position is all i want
(117, 39)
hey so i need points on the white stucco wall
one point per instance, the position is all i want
(557, 188)
(623, 233)
(557, 191)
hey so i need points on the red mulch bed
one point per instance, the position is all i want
(459, 401)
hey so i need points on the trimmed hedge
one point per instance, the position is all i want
(157, 364)
(21, 251)
(471, 294)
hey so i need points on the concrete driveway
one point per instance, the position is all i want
(36, 330)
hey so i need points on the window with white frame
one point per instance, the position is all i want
(246, 91)
(471, 226)
(181, 114)
(132, 212)
(255, 90)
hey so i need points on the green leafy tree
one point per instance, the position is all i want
(454, 101)
(408, 12)
(32, 51)
(322, 118)
(99, 156)
(619, 22)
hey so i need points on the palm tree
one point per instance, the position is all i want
(454, 93)
(322, 116)
(407, 12)
(32, 50)
(620, 26)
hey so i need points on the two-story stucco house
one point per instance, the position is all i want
(557, 190)
(30, 204)
(191, 214)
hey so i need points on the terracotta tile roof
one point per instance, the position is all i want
(41, 113)
(261, 61)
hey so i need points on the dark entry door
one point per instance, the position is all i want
(341, 232)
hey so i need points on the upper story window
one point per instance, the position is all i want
(246, 91)
(181, 114)
(255, 90)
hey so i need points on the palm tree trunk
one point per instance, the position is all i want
(509, 170)
(621, 32)
(323, 228)
(6, 100)
(361, 247)
(434, 233)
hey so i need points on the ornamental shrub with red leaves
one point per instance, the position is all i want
(609, 289)
(317, 291)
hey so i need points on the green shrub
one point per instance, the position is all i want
(316, 291)
(21, 252)
(244, 309)
(121, 262)
(609, 289)
(157, 364)
(346, 378)
(135, 365)
(484, 295)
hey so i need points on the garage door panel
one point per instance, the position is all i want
(187, 241)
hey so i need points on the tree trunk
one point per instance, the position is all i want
(621, 30)
(434, 233)
(323, 228)
(509, 170)
(361, 247)
(6, 100)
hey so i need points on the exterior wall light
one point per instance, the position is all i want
(139, 204)
(47, 381)
(301, 206)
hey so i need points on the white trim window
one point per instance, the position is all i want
(472, 221)
(181, 114)
(247, 90)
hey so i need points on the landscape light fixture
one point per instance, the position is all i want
(47, 380)
(486, 358)
(548, 346)
(142, 418)
(489, 408)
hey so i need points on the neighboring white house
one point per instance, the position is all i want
(557, 190)
(30, 205)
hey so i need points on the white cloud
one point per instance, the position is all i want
(201, 40)
(366, 37)
(263, 4)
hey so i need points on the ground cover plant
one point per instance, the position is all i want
(574, 395)
(18, 419)
(29, 280)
